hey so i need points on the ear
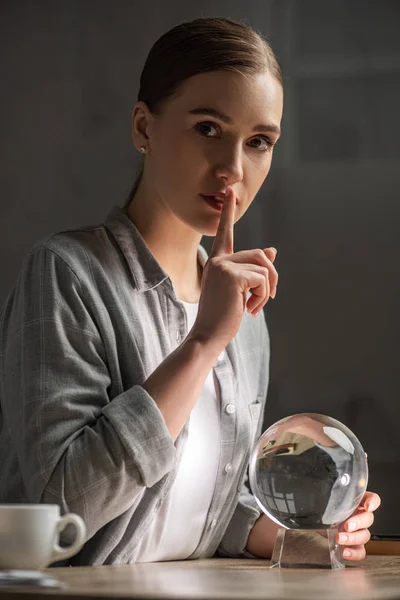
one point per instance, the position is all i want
(142, 121)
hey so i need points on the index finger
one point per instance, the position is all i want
(223, 241)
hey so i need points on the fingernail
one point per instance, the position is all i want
(274, 249)
(346, 553)
(352, 526)
(343, 537)
(371, 507)
(273, 294)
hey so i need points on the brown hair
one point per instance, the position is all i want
(205, 44)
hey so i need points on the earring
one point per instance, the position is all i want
(142, 149)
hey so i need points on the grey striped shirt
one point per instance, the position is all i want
(90, 317)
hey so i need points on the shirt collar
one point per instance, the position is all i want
(146, 271)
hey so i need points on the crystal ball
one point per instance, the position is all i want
(308, 471)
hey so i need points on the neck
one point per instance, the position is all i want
(173, 243)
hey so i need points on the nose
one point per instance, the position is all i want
(230, 165)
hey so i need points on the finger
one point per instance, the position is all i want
(258, 257)
(360, 520)
(260, 295)
(353, 539)
(371, 501)
(255, 307)
(270, 253)
(354, 553)
(223, 241)
(260, 289)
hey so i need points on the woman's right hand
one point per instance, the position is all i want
(227, 279)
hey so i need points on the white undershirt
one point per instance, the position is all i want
(176, 530)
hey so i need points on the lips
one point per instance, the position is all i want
(218, 197)
(213, 201)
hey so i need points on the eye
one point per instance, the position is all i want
(266, 143)
(205, 127)
(209, 129)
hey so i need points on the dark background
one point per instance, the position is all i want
(69, 79)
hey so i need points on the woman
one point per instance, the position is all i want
(135, 368)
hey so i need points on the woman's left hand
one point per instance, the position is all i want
(355, 528)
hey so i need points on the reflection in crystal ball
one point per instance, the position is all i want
(308, 471)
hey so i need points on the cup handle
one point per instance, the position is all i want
(80, 533)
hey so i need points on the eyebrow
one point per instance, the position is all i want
(212, 112)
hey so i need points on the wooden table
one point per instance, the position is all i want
(222, 579)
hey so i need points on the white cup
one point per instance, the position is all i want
(29, 535)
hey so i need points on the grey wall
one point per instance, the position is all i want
(69, 77)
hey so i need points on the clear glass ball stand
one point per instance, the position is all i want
(306, 549)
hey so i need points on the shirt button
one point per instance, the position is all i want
(178, 336)
(221, 357)
(229, 409)
(228, 468)
(213, 524)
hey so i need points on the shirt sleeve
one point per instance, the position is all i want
(234, 540)
(75, 446)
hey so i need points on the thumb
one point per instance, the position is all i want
(270, 253)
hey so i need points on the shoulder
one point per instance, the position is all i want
(80, 250)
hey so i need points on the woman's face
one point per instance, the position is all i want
(218, 130)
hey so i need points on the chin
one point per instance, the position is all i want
(209, 228)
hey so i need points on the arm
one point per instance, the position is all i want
(75, 447)
(262, 537)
